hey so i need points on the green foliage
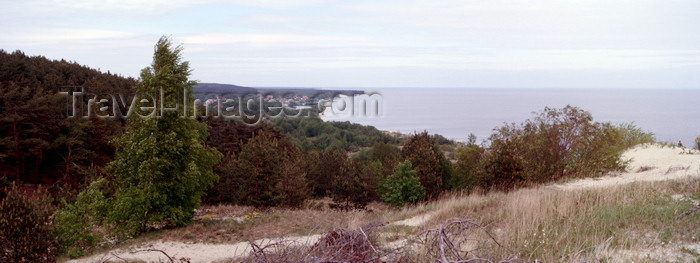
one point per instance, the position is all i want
(557, 143)
(25, 229)
(356, 186)
(325, 168)
(697, 143)
(631, 135)
(469, 167)
(294, 186)
(161, 167)
(312, 133)
(78, 225)
(434, 170)
(38, 144)
(386, 155)
(267, 171)
(403, 186)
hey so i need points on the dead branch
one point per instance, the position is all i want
(457, 240)
(107, 257)
(117, 256)
(153, 250)
(446, 243)
(367, 238)
(690, 211)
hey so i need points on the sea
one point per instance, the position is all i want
(672, 115)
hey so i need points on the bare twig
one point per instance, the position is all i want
(446, 241)
(690, 211)
(457, 240)
(367, 238)
(153, 250)
(116, 256)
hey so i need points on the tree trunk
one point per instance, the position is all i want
(18, 163)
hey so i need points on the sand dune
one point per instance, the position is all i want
(648, 162)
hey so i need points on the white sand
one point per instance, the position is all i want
(647, 163)
(199, 252)
(418, 220)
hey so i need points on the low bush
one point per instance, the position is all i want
(556, 143)
(77, 225)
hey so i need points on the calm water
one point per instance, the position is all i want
(672, 115)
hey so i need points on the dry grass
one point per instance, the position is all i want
(616, 224)
(540, 223)
(230, 224)
(553, 225)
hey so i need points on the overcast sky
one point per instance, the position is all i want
(314, 43)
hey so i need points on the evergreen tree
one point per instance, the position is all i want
(268, 171)
(434, 170)
(162, 167)
(25, 229)
(324, 171)
(258, 170)
(355, 186)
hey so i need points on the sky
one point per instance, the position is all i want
(377, 43)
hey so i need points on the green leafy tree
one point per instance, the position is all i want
(386, 154)
(403, 186)
(162, 167)
(79, 226)
(468, 168)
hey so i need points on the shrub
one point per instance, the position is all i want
(558, 143)
(25, 229)
(77, 224)
(403, 186)
(631, 135)
(697, 143)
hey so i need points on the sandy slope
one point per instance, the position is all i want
(647, 163)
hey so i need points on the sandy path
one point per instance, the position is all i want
(418, 220)
(199, 252)
(648, 163)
